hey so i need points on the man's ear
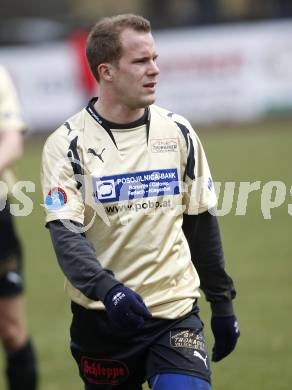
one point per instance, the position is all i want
(105, 71)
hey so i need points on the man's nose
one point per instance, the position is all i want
(154, 68)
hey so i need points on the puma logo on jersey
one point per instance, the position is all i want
(198, 355)
(67, 125)
(99, 155)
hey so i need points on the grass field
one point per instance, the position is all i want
(258, 253)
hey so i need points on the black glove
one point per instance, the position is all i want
(226, 333)
(125, 308)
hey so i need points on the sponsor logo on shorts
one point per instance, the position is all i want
(204, 359)
(164, 145)
(104, 371)
(56, 199)
(187, 339)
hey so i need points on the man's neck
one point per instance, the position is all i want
(118, 113)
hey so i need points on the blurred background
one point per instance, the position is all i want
(227, 66)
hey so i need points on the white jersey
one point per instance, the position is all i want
(129, 186)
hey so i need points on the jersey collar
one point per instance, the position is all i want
(108, 125)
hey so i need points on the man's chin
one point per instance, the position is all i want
(143, 103)
(148, 101)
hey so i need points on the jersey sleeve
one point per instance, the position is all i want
(61, 177)
(10, 113)
(199, 195)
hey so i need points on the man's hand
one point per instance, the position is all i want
(226, 333)
(125, 308)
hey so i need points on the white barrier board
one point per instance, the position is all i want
(226, 73)
(47, 82)
(209, 74)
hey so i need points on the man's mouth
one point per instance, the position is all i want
(150, 85)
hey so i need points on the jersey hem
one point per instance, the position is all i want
(71, 217)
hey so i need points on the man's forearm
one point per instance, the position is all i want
(77, 259)
(203, 235)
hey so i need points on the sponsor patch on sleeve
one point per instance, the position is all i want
(56, 199)
(136, 185)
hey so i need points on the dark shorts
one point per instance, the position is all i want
(108, 360)
(11, 279)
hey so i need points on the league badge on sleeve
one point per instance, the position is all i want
(56, 199)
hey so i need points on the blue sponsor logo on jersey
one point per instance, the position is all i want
(136, 185)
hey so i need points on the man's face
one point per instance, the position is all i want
(135, 75)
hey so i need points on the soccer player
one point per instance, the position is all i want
(20, 357)
(128, 190)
